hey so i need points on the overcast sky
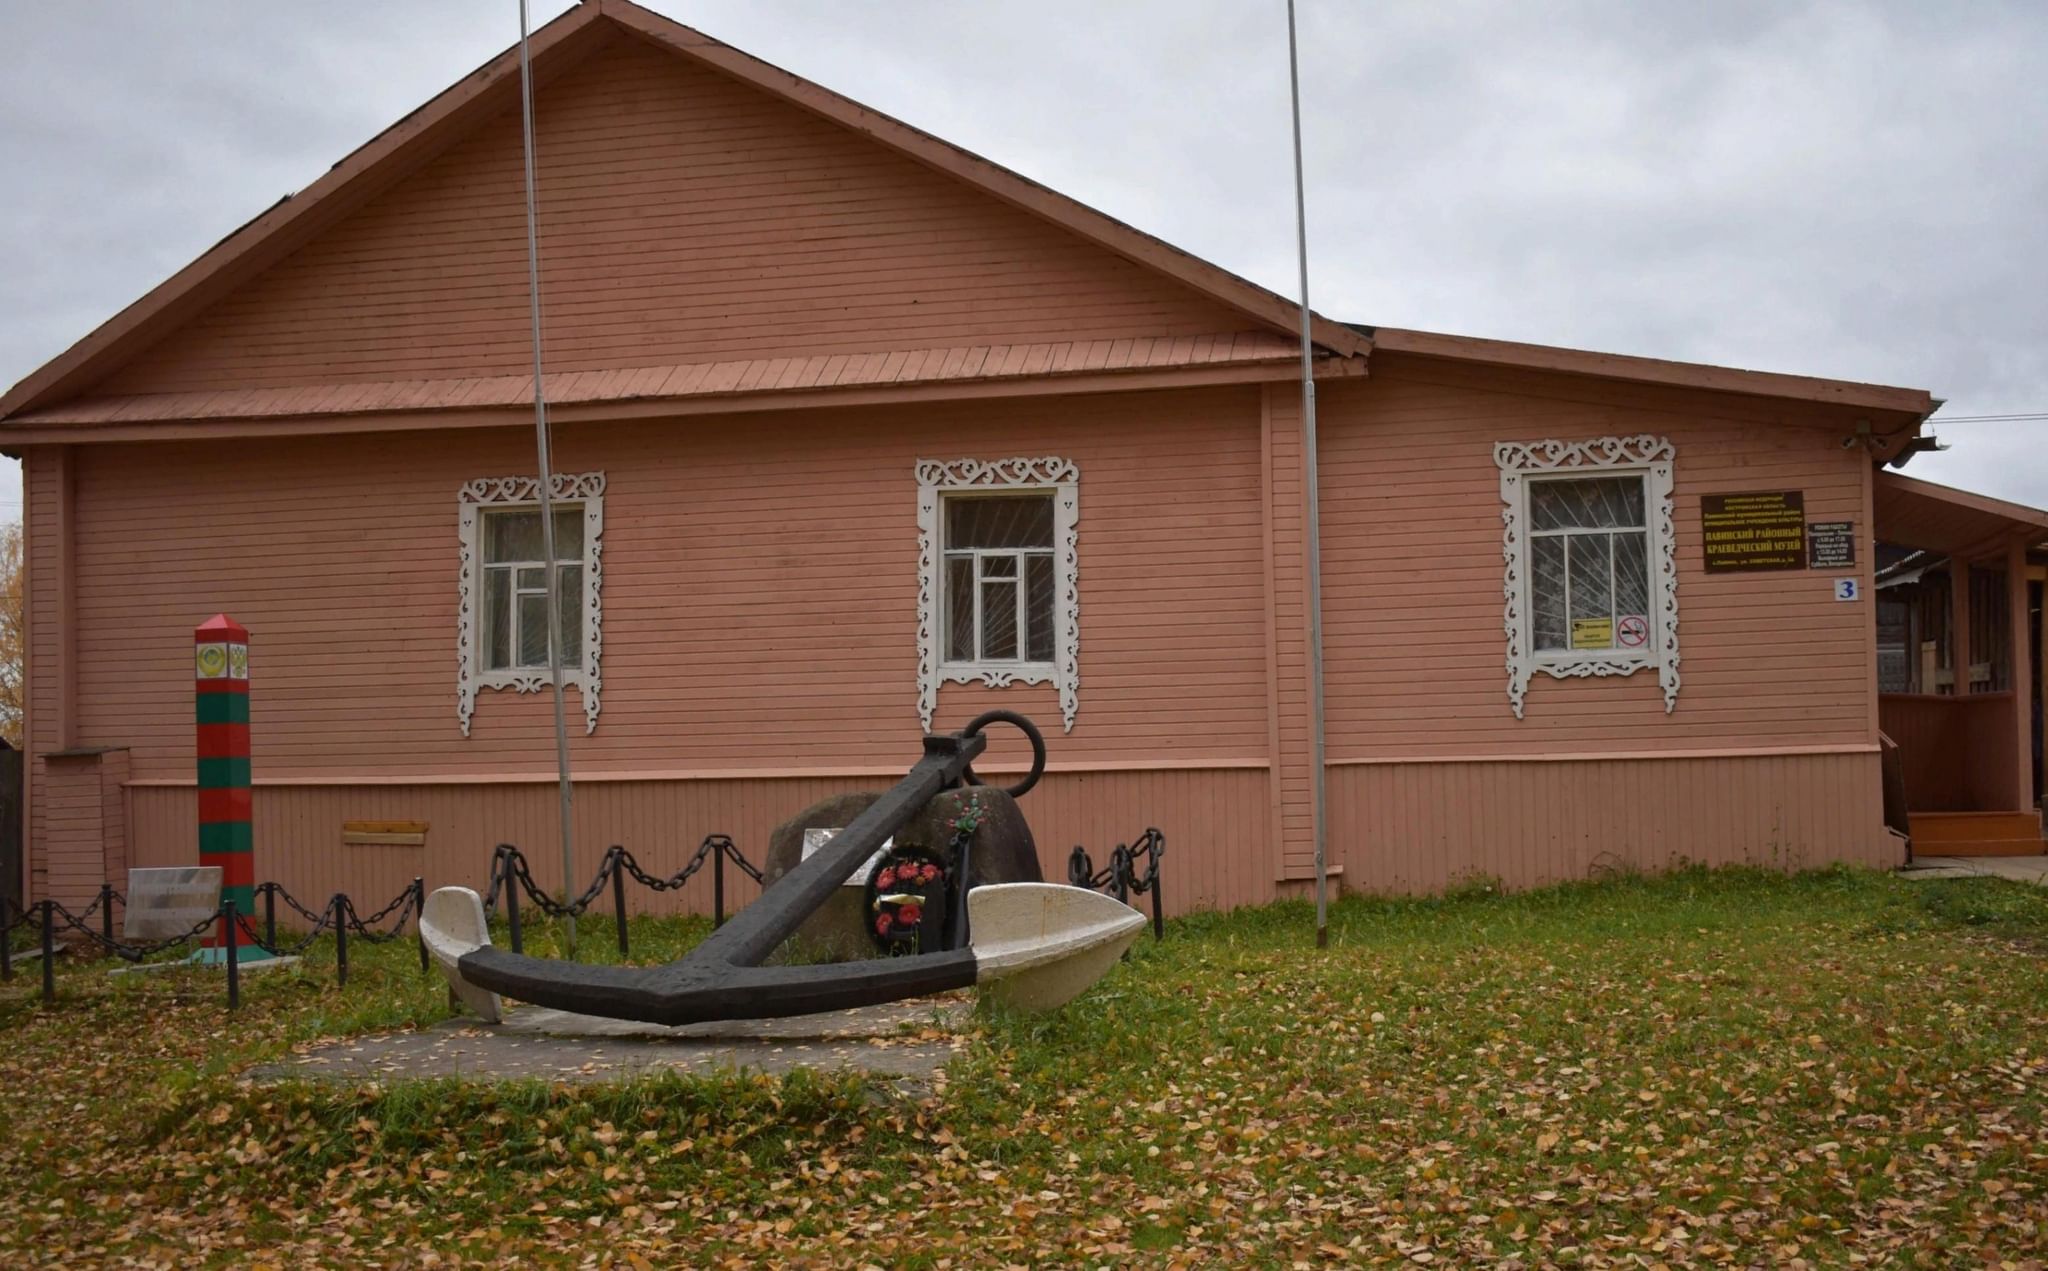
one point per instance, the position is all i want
(1847, 190)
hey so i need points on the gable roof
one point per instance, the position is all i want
(1911, 512)
(413, 141)
(1620, 366)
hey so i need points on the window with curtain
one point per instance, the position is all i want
(502, 612)
(1000, 595)
(515, 578)
(1589, 556)
(1588, 537)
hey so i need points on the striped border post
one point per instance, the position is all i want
(221, 701)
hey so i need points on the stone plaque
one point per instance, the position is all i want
(166, 903)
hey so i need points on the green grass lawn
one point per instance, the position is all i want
(1830, 1069)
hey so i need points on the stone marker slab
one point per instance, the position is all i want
(166, 903)
(816, 837)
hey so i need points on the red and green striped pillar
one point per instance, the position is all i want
(221, 699)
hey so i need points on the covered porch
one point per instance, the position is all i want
(1961, 668)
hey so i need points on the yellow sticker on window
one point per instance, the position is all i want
(1592, 633)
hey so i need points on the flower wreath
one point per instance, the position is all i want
(906, 902)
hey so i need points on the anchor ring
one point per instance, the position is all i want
(1031, 734)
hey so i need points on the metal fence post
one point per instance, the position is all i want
(107, 912)
(512, 910)
(619, 895)
(339, 907)
(49, 951)
(718, 884)
(270, 914)
(419, 913)
(234, 943)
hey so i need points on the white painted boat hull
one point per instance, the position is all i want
(1037, 946)
(452, 923)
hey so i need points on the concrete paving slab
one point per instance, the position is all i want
(2020, 869)
(902, 1040)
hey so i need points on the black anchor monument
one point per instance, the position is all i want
(1053, 940)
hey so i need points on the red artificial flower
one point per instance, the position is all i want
(909, 915)
(886, 878)
(882, 925)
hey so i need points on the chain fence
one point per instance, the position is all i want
(510, 878)
(1122, 877)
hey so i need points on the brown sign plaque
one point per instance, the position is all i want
(1761, 530)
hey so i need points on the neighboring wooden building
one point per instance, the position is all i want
(862, 432)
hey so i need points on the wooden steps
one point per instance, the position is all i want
(1977, 834)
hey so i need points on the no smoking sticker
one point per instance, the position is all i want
(1632, 632)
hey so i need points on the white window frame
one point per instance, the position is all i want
(1644, 456)
(936, 479)
(508, 494)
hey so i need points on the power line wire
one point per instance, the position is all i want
(2017, 418)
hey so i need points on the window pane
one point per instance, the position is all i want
(1592, 591)
(533, 630)
(571, 601)
(998, 567)
(1631, 575)
(568, 531)
(1546, 592)
(515, 535)
(512, 536)
(999, 619)
(1596, 503)
(1007, 520)
(960, 608)
(529, 579)
(497, 617)
(1038, 609)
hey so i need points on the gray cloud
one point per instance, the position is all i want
(1849, 190)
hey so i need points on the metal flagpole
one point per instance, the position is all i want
(1314, 512)
(547, 480)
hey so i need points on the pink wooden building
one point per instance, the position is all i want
(860, 433)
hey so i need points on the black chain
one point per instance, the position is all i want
(509, 868)
(120, 949)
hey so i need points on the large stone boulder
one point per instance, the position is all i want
(835, 931)
(1003, 852)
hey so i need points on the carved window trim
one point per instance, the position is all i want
(1651, 457)
(1059, 477)
(586, 488)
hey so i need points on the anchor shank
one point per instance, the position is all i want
(756, 931)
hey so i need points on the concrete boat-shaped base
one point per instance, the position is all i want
(452, 923)
(1037, 946)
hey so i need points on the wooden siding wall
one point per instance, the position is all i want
(1413, 568)
(1419, 827)
(759, 614)
(1289, 710)
(47, 534)
(1216, 845)
(1958, 752)
(759, 596)
(684, 217)
(84, 826)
